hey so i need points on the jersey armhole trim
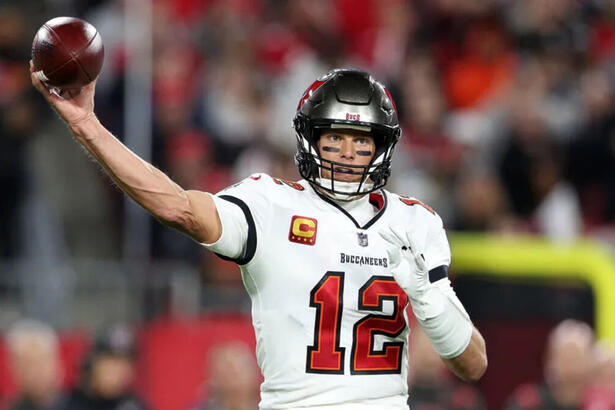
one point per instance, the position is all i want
(251, 243)
(438, 273)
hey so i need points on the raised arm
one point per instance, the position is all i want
(192, 212)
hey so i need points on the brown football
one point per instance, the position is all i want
(67, 53)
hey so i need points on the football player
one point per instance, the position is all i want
(330, 262)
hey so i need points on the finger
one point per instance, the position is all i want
(51, 94)
(393, 238)
(416, 252)
(399, 235)
(37, 77)
(33, 76)
(388, 236)
(38, 84)
(420, 261)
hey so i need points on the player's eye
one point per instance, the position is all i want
(334, 138)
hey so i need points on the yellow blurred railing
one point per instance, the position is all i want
(535, 258)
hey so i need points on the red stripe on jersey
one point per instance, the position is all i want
(411, 202)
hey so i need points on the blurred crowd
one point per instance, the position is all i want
(578, 374)
(107, 371)
(507, 107)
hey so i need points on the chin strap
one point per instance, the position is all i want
(344, 189)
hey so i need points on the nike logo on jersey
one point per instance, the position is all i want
(363, 260)
(303, 230)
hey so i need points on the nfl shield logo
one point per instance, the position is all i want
(362, 239)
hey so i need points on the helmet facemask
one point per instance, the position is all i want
(373, 175)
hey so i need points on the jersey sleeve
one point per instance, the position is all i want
(437, 250)
(241, 207)
(429, 230)
(234, 236)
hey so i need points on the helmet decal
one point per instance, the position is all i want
(308, 93)
(386, 90)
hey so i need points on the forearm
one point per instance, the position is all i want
(192, 212)
(452, 334)
(143, 182)
(472, 363)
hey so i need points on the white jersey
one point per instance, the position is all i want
(329, 318)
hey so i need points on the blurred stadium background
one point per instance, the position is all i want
(508, 111)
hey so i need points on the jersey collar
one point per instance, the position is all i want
(343, 211)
